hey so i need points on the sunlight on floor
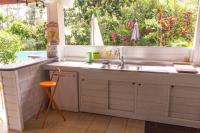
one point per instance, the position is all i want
(3, 126)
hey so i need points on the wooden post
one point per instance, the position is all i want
(196, 51)
(55, 12)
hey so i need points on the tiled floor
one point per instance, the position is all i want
(84, 123)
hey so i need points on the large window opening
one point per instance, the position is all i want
(22, 28)
(163, 23)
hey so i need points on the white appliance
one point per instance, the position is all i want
(66, 95)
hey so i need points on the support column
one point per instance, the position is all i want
(196, 51)
(55, 14)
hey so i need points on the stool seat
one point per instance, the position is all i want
(48, 84)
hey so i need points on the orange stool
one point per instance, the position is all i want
(50, 89)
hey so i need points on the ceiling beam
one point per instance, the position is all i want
(3, 2)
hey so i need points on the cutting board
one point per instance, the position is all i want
(185, 69)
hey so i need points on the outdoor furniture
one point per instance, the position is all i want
(50, 89)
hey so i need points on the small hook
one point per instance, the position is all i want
(26, 2)
(36, 2)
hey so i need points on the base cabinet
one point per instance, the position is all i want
(152, 101)
(93, 95)
(122, 96)
(138, 96)
(66, 95)
(185, 103)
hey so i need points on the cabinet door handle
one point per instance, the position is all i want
(82, 79)
(139, 84)
(133, 83)
(172, 86)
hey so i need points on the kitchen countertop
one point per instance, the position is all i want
(15, 66)
(132, 67)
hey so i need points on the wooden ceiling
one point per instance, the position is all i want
(16, 1)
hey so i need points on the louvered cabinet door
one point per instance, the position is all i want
(152, 101)
(93, 95)
(184, 103)
(121, 96)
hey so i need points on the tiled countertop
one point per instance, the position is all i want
(142, 68)
(15, 66)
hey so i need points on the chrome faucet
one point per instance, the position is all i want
(117, 53)
(122, 61)
(120, 56)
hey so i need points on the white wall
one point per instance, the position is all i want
(22, 93)
(139, 53)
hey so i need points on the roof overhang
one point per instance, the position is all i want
(3, 2)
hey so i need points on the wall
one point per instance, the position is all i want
(12, 101)
(23, 96)
(139, 53)
(31, 93)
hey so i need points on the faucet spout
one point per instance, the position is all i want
(122, 61)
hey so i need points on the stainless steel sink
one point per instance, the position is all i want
(155, 68)
(129, 67)
(117, 66)
(69, 63)
(93, 65)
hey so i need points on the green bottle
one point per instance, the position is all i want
(89, 57)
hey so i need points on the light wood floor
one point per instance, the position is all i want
(84, 123)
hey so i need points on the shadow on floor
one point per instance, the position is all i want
(152, 127)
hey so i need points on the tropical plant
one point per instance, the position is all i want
(9, 45)
(32, 36)
(161, 22)
(21, 29)
(40, 38)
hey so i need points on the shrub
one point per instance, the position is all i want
(161, 23)
(32, 37)
(19, 28)
(9, 45)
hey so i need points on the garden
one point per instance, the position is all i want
(21, 34)
(163, 23)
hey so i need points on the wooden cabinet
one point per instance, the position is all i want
(146, 96)
(66, 95)
(93, 95)
(152, 100)
(185, 103)
(122, 96)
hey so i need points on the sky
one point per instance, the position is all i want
(20, 11)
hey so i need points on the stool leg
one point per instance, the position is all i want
(47, 112)
(38, 113)
(58, 110)
(54, 103)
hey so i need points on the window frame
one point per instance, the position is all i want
(179, 53)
